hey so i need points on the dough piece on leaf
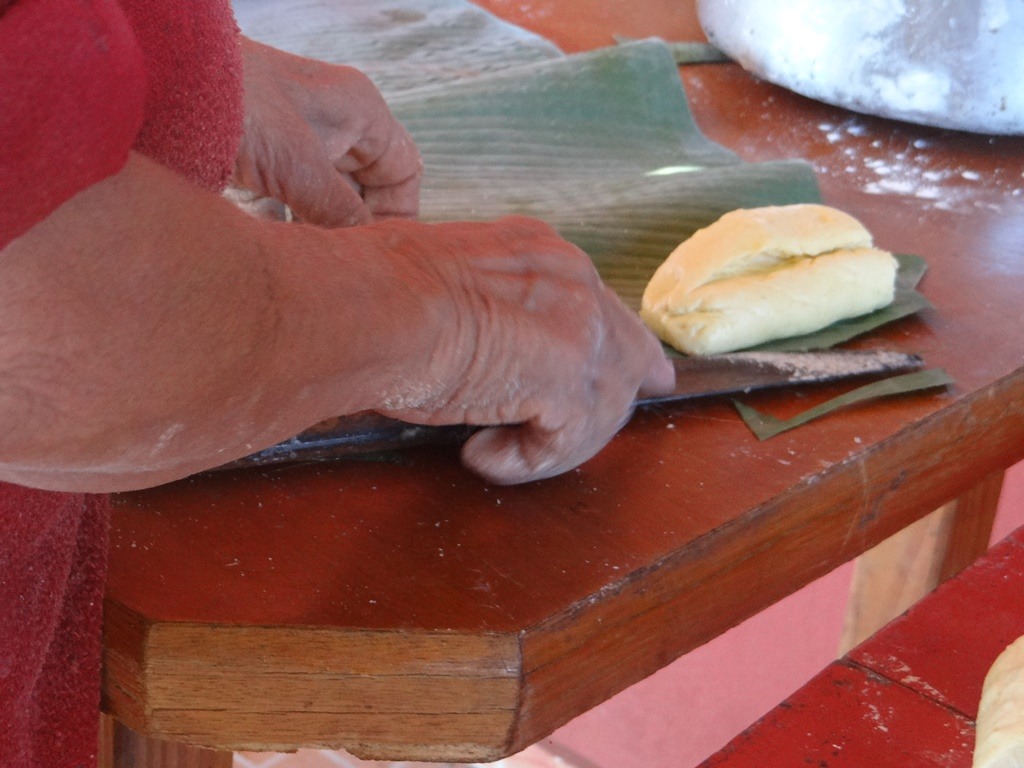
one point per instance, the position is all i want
(766, 273)
(1000, 729)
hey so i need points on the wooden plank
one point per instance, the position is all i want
(105, 753)
(898, 572)
(895, 574)
(245, 691)
(472, 736)
(943, 647)
(884, 704)
(260, 688)
(848, 717)
(971, 526)
(121, 747)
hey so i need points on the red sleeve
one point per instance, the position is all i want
(72, 85)
(194, 103)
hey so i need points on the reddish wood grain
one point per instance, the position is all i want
(847, 717)
(574, 588)
(908, 695)
(587, 24)
(943, 647)
(120, 747)
(971, 526)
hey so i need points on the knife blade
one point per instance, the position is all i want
(740, 372)
(696, 377)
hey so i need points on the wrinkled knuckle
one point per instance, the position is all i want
(581, 298)
(355, 78)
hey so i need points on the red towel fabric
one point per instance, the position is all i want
(52, 561)
(81, 83)
(193, 116)
(71, 95)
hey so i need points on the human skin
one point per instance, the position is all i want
(321, 138)
(152, 330)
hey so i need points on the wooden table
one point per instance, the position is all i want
(408, 610)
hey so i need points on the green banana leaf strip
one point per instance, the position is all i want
(399, 44)
(907, 302)
(764, 425)
(697, 53)
(687, 52)
(601, 145)
(912, 268)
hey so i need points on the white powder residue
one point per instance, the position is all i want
(819, 366)
(875, 717)
(411, 395)
(915, 168)
(915, 681)
(164, 440)
(994, 15)
(951, 65)
(914, 90)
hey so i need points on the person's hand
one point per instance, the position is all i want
(319, 138)
(500, 325)
(534, 346)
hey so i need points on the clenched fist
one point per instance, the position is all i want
(522, 338)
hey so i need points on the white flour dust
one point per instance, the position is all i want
(819, 366)
(911, 168)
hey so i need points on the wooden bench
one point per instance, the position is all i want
(908, 696)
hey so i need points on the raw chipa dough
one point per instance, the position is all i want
(1000, 726)
(759, 274)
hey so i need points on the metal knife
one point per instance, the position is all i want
(696, 377)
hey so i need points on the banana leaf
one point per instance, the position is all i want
(601, 145)
(688, 52)
(399, 44)
(765, 426)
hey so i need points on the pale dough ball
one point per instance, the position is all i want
(1000, 730)
(759, 274)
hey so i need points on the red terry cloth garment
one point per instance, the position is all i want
(81, 83)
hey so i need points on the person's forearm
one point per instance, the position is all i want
(150, 330)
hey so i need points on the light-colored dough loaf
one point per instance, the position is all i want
(1000, 725)
(759, 274)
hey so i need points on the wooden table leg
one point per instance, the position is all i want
(121, 747)
(905, 567)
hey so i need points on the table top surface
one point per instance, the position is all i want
(685, 524)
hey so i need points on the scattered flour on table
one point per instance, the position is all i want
(811, 366)
(876, 718)
(913, 171)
